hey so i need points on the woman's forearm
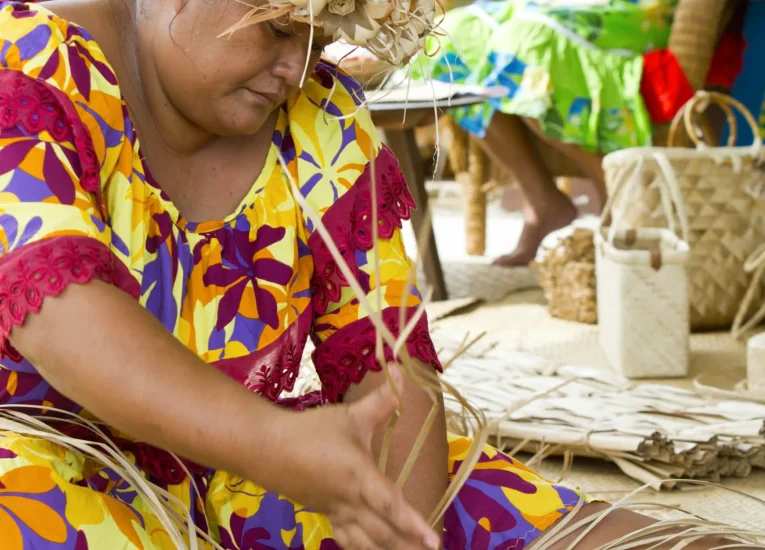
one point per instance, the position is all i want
(98, 347)
(428, 480)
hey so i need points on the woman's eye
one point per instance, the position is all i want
(278, 33)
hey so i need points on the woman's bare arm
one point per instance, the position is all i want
(98, 347)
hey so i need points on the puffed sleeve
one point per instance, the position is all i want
(54, 228)
(342, 330)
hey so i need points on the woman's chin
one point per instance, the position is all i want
(243, 123)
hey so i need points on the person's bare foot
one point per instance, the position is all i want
(536, 226)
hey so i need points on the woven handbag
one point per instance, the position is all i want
(719, 188)
(642, 288)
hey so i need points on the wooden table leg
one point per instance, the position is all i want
(404, 146)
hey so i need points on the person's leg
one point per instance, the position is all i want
(620, 523)
(590, 163)
(508, 143)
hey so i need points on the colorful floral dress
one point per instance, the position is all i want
(576, 67)
(244, 293)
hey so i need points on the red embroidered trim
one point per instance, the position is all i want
(45, 268)
(38, 107)
(349, 222)
(160, 465)
(394, 201)
(275, 368)
(345, 357)
(302, 402)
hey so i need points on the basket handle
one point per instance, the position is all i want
(622, 182)
(669, 190)
(698, 104)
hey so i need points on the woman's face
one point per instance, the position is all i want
(227, 85)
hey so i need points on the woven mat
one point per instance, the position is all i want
(484, 281)
(521, 322)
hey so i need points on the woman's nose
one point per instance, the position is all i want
(291, 61)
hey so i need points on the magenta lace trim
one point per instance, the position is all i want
(37, 107)
(45, 268)
(349, 222)
(346, 356)
(275, 368)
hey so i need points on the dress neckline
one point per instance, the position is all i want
(247, 201)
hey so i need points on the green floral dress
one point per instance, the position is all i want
(574, 68)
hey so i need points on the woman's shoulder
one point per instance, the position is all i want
(329, 93)
(58, 85)
(59, 55)
(333, 135)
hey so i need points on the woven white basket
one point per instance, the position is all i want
(642, 291)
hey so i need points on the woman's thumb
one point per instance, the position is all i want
(377, 407)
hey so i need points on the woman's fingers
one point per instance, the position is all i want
(353, 536)
(367, 531)
(387, 502)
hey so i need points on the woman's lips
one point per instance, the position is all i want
(263, 98)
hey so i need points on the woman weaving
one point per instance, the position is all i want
(174, 304)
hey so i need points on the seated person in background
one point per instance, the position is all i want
(572, 71)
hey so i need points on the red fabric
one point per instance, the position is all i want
(45, 268)
(664, 86)
(346, 356)
(349, 222)
(273, 369)
(728, 61)
(36, 106)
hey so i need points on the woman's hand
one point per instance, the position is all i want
(334, 472)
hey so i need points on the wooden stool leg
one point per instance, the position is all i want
(469, 164)
(474, 199)
(458, 146)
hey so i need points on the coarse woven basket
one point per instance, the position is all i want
(566, 273)
(720, 189)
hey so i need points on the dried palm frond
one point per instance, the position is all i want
(172, 514)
